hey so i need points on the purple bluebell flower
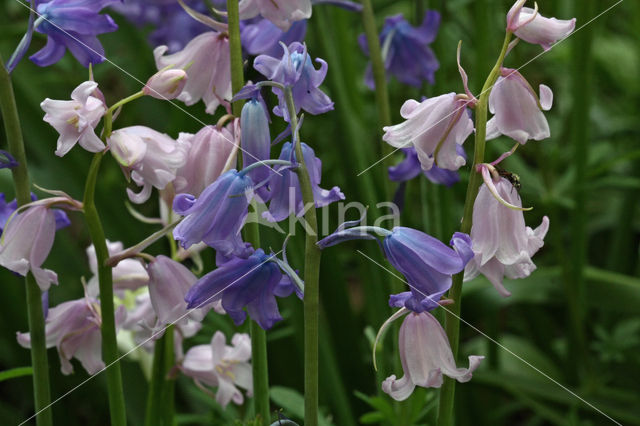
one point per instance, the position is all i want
(73, 25)
(286, 196)
(239, 282)
(296, 70)
(7, 209)
(256, 142)
(410, 167)
(261, 37)
(217, 215)
(172, 26)
(6, 160)
(426, 262)
(408, 56)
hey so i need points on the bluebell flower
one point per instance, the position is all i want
(217, 215)
(261, 37)
(426, 262)
(7, 209)
(296, 70)
(256, 142)
(252, 282)
(6, 160)
(73, 25)
(285, 186)
(408, 56)
(410, 167)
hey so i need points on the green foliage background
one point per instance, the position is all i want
(534, 323)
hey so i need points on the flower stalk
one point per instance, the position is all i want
(452, 321)
(105, 279)
(41, 391)
(259, 361)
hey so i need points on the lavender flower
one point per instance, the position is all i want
(7, 209)
(217, 215)
(261, 37)
(408, 55)
(283, 13)
(532, 27)
(6, 160)
(239, 282)
(517, 108)
(295, 70)
(73, 25)
(410, 167)
(222, 366)
(286, 195)
(128, 274)
(256, 141)
(426, 355)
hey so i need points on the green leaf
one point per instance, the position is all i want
(15, 372)
(372, 417)
(293, 402)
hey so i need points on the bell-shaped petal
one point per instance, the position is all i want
(217, 215)
(426, 355)
(502, 243)
(128, 274)
(256, 140)
(76, 120)
(517, 109)
(262, 37)
(282, 13)
(26, 242)
(152, 158)
(166, 84)
(222, 366)
(211, 152)
(434, 127)
(207, 63)
(286, 195)
(296, 70)
(241, 283)
(530, 26)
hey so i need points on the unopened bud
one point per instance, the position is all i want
(166, 84)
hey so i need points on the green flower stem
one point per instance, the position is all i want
(41, 392)
(168, 395)
(452, 322)
(105, 279)
(156, 386)
(259, 360)
(380, 80)
(108, 117)
(312, 256)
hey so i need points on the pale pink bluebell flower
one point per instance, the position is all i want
(222, 366)
(528, 25)
(74, 329)
(426, 355)
(151, 158)
(206, 60)
(502, 244)
(128, 274)
(517, 108)
(282, 13)
(166, 84)
(76, 120)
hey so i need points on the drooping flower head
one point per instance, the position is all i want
(74, 329)
(530, 26)
(408, 56)
(150, 157)
(7, 209)
(73, 25)
(261, 37)
(282, 13)
(502, 244)
(251, 282)
(426, 355)
(286, 195)
(256, 141)
(296, 70)
(410, 167)
(217, 215)
(222, 366)
(128, 274)
(207, 63)
(517, 108)
(166, 84)
(76, 120)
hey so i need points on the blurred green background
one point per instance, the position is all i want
(575, 318)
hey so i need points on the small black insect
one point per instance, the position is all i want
(513, 178)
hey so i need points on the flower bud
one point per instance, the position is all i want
(166, 84)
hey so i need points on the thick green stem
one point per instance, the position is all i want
(156, 386)
(105, 279)
(259, 360)
(312, 256)
(452, 321)
(380, 80)
(168, 409)
(41, 392)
